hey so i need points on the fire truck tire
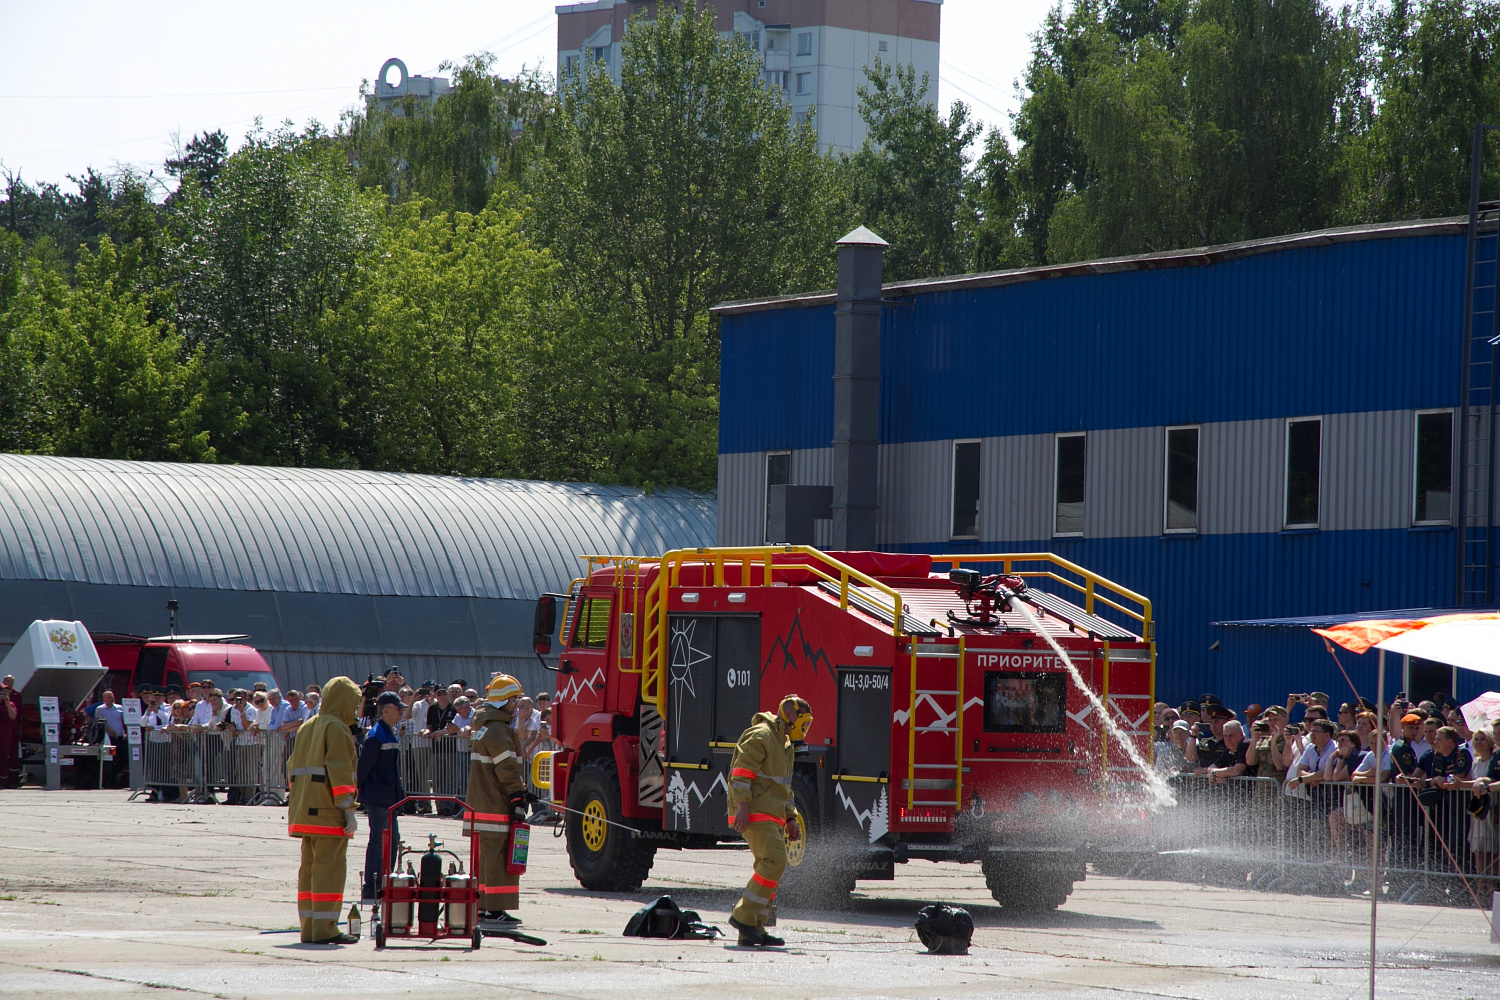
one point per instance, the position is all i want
(603, 855)
(813, 876)
(1019, 890)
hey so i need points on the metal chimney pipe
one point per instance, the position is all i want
(856, 391)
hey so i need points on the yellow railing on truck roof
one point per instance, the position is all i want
(629, 572)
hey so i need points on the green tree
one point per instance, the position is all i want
(446, 320)
(909, 181)
(458, 150)
(1155, 124)
(202, 160)
(93, 374)
(1437, 75)
(282, 243)
(684, 185)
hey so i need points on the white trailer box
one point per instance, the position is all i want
(56, 660)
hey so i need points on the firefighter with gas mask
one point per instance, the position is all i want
(497, 798)
(764, 811)
(321, 776)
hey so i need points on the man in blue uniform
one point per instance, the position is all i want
(380, 788)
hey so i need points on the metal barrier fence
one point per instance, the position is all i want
(1254, 831)
(194, 767)
(250, 767)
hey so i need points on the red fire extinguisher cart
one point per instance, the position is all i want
(424, 901)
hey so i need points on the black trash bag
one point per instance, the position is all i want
(944, 929)
(665, 919)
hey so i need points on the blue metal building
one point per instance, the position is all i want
(1254, 431)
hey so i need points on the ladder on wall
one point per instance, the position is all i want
(931, 779)
(1475, 514)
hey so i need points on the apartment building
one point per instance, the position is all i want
(814, 51)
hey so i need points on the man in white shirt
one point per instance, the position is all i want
(243, 714)
(113, 718)
(274, 713)
(294, 712)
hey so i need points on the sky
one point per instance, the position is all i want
(94, 83)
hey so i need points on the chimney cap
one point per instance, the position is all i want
(862, 237)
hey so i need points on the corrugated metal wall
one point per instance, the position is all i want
(334, 531)
(1367, 469)
(306, 638)
(1341, 328)
(1361, 333)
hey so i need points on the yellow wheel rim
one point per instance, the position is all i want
(595, 825)
(797, 849)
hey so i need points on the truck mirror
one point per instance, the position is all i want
(544, 624)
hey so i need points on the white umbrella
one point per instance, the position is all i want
(1473, 645)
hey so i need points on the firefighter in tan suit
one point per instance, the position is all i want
(760, 793)
(497, 797)
(321, 776)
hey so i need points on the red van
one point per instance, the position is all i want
(133, 660)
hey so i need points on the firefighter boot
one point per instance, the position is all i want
(498, 920)
(755, 937)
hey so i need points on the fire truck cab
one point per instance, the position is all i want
(947, 727)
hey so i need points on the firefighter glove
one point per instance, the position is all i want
(351, 822)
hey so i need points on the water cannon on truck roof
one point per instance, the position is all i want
(966, 710)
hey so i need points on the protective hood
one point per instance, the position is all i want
(770, 719)
(488, 713)
(341, 699)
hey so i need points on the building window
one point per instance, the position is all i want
(804, 43)
(778, 473)
(776, 78)
(1434, 468)
(1182, 479)
(752, 38)
(804, 84)
(882, 47)
(570, 66)
(966, 489)
(601, 54)
(1069, 513)
(1304, 452)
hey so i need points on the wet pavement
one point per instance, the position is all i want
(102, 897)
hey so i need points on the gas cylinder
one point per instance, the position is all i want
(429, 888)
(457, 915)
(400, 912)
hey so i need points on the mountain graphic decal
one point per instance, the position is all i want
(792, 651)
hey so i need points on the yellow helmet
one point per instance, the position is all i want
(797, 714)
(503, 687)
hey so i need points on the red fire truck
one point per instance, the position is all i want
(947, 727)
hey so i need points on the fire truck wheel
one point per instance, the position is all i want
(1016, 890)
(813, 876)
(603, 855)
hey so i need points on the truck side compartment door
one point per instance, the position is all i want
(696, 789)
(861, 792)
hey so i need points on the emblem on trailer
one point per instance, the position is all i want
(64, 639)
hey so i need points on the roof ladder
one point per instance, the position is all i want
(1475, 514)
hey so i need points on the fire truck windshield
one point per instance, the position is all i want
(1024, 702)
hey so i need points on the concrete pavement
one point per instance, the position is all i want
(101, 897)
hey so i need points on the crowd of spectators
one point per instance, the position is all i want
(1323, 762)
(429, 711)
(432, 710)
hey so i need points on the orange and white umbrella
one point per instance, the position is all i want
(1470, 641)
